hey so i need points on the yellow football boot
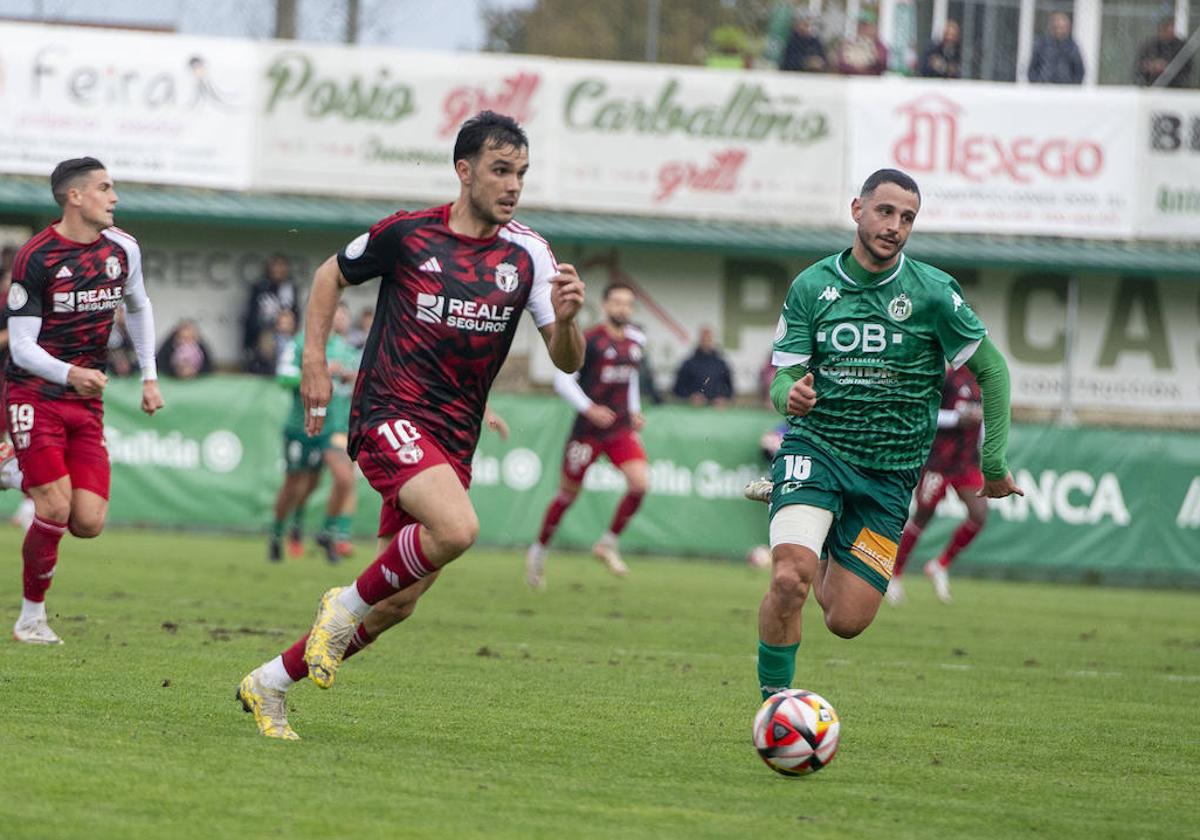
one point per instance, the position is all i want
(328, 639)
(268, 707)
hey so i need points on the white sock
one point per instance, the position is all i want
(274, 676)
(351, 600)
(609, 538)
(32, 610)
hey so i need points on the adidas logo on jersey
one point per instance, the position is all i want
(830, 294)
(63, 273)
(432, 266)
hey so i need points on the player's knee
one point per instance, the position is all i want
(458, 536)
(85, 527)
(637, 485)
(789, 585)
(844, 624)
(54, 510)
(979, 516)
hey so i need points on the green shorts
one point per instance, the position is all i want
(869, 507)
(301, 452)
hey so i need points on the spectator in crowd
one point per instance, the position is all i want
(185, 355)
(804, 52)
(646, 384)
(273, 294)
(1157, 53)
(943, 59)
(864, 54)
(361, 329)
(704, 378)
(1056, 59)
(728, 48)
(122, 358)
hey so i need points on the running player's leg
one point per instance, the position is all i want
(578, 456)
(626, 453)
(797, 534)
(967, 487)
(930, 489)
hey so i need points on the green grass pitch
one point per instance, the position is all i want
(601, 708)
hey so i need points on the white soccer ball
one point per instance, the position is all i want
(759, 557)
(796, 732)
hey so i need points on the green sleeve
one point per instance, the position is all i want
(989, 367)
(784, 379)
(287, 372)
(957, 326)
(793, 334)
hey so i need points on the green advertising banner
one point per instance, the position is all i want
(1099, 504)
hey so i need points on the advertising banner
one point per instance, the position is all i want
(693, 142)
(1169, 165)
(994, 158)
(380, 122)
(160, 108)
(1110, 505)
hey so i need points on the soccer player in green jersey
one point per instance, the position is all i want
(304, 456)
(860, 352)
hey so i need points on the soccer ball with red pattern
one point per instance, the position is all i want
(796, 732)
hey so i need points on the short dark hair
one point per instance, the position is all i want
(613, 286)
(490, 129)
(67, 173)
(889, 176)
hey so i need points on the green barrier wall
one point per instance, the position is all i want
(1109, 505)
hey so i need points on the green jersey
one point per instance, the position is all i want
(876, 345)
(337, 351)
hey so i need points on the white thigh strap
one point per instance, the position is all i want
(801, 525)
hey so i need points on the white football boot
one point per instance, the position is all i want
(535, 566)
(940, 579)
(35, 631)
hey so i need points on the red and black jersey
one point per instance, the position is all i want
(448, 309)
(75, 288)
(956, 449)
(609, 377)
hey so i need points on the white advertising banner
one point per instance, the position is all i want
(1010, 159)
(380, 122)
(675, 141)
(157, 108)
(1169, 165)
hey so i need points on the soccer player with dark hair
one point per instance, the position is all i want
(455, 280)
(67, 283)
(861, 349)
(953, 462)
(606, 394)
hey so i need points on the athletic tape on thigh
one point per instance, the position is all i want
(801, 525)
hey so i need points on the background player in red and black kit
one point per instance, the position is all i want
(455, 280)
(606, 395)
(67, 283)
(953, 462)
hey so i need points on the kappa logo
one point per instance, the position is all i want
(507, 278)
(63, 273)
(830, 294)
(430, 308)
(957, 298)
(432, 266)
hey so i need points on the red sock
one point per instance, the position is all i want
(959, 540)
(554, 514)
(293, 657)
(630, 502)
(402, 564)
(40, 553)
(908, 539)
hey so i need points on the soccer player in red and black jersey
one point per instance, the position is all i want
(953, 462)
(605, 393)
(455, 280)
(67, 283)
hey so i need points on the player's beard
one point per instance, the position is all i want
(618, 321)
(484, 211)
(878, 257)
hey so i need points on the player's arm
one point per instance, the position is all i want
(792, 388)
(635, 401)
(139, 320)
(287, 369)
(564, 339)
(495, 422)
(990, 369)
(316, 384)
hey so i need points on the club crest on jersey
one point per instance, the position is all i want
(112, 268)
(506, 277)
(17, 297)
(900, 307)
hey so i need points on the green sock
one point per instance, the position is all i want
(776, 667)
(277, 529)
(329, 526)
(341, 527)
(298, 521)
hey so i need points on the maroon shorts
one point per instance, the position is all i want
(581, 453)
(933, 485)
(392, 453)
(54, 438)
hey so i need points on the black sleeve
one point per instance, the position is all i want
(26, 295)
(250, 324)
(373, 253)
